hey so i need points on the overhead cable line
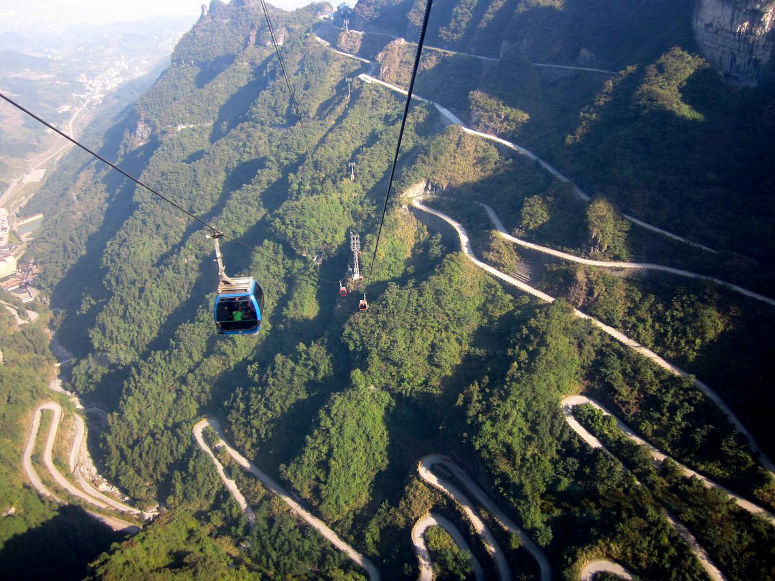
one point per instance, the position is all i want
(285, 74)
(170, 201)
(420, 42)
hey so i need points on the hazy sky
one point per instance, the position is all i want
(22, 15)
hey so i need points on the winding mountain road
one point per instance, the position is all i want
(699, 552)
(618, 335)
(572, 401)
(269, 482)
(454, 120)
(231, 486)
(424, 556)
(56, 475)
(469, 509)
(592, 568)
(461, 499)
(503, 233)
(424, 470)
(78, 456)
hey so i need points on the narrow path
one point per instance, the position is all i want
(699, 552)
(424, 556)
(572, 401)
(424, 470)
(618, 335)
(269, 482)
(503, 233)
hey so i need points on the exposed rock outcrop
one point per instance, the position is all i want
(737, 37)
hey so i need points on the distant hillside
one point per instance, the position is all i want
(663, 135)
(601, 32)
(53, 74)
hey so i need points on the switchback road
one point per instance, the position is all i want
(424, 556)
(503, 233)
(269, 482)
(572, 401)
(424, 470)
(618, 335)
(700, 553)
(56, 475)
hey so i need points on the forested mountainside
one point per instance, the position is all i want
(345, 409)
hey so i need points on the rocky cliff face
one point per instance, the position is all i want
(737, 37)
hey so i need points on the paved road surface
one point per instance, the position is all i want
(572, 401)
(424, 556)
(37, 484)
(454, 120)
(423, 468)
(602, 566)
(699, 552)
(78, 452)
(469, 509)
(618, 335)
(269, 482)
(613, 264)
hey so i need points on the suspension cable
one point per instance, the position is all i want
(171, 202)
(295, 103)
(417, 54)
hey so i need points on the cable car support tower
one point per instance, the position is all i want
(355, 246)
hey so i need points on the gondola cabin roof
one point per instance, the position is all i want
(243, 285)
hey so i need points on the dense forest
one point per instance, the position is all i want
(339, 406)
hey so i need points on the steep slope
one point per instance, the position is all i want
(338, 405)
(665, 138)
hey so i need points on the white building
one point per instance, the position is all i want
(7, 265)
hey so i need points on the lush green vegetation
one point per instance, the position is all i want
(36, 537)
(517, 424)
(340, 405)
(345, 451)
(731, 534)
(449, 562)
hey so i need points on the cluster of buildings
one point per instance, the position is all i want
(16, 277)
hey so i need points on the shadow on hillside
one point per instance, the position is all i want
(236, 108)
(208, 71)
(60, 548)
(85, 277)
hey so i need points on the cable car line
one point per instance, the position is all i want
(285, 73)
(167, 199)
(418, 52)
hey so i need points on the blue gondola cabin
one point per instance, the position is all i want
(238, 306)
